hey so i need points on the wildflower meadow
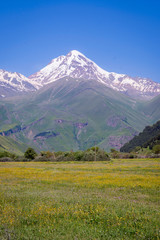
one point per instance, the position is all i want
(117, 199)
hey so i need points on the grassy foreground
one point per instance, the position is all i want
(80, 200)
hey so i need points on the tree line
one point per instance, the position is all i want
(91, 154)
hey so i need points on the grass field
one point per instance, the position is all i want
(80, 201)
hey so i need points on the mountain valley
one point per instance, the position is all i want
(73, 104)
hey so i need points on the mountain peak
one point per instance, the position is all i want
(78, 66)
(74, 53)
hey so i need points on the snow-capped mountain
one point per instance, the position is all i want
(76, 65)
(12, 83)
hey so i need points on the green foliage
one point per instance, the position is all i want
(30, 153)
(45, 156)
(88, 155)
(112, 150)
(78, 155)
(99, 155)
(121, 155)
(6, 159)
(156, 149)
(114, 153)
(138, 148)
(94, 149)
(154, 141)
(66, 156)
(8, 154)
(149, 137)
(58, 153)
(11, 157)
(48, 154)
(41, 159)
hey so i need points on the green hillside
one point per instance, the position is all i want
(151, 109)
(10, 145)
(148, 138)
(73, 114)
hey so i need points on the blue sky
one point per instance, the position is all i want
(119, 35)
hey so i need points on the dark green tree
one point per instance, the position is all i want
(30, 153)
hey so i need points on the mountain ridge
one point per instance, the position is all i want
(72, 105)
(77, 65)
(74, 115)
(13, 83)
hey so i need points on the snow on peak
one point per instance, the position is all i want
(77, 65)
(74, 64)
(14, 81)
(58, 59)
(75, 53)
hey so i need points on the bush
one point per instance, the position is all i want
(6, 159)
(95, 148)
(30, 153)
(22, 159)
(78, 155)
(89, 155)
(41, 159)
(8, 154)
(114, 153)
(156, 149)
(100, 155)
(121, 155)
(46, 156)
(137, 149)
(66, 156)
(59, 153)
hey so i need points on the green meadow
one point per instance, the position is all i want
(117, 199)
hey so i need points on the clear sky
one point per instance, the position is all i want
(119, 35)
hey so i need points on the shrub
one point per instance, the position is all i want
(22, 159)
(8, 154)
(94, 148)
(48, 155)
(66, 156)
(137, 149)
(89, 155)
(6, 159)
(100, 155)
(41, 159)
(78, 155)
(58, 153)
(156, 149)
(114, 153)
